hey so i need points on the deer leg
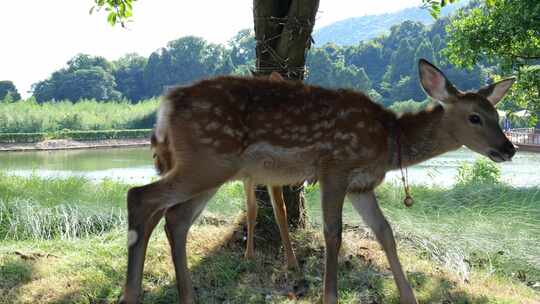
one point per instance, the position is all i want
(143, 203)
(178, 222)
(366, 204)
(332, 196)
(280, 212)
(137, 245)
(251, 204)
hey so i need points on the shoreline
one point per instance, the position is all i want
(67, 144)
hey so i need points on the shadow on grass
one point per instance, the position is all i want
(15, 272)
(224, 276)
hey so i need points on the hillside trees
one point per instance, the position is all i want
(383, 67)
(8, 91)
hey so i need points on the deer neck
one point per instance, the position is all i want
(423, 135)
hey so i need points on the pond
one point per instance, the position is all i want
(134, 166)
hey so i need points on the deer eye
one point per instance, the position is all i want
(475, 119)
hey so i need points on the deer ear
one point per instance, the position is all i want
(275, 76)
(496, 91)
(434, 82)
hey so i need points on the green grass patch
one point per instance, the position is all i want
(85, 115)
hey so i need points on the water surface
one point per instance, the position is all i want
(135, 166)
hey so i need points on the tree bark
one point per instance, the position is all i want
(283, 33)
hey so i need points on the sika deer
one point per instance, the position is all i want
(279, 133)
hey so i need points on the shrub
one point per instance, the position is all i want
(482, 171)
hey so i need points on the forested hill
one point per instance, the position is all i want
(384, 67)
(353, 30)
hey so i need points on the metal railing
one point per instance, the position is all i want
(524, 136)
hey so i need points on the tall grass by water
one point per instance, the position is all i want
(65, 208)
(31, 117)
(50, 208)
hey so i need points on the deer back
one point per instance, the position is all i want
(275, 132)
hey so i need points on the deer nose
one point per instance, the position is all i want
(508, 149)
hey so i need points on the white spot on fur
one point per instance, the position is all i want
(212, 126)
(132, 238)
(360, 124)
(164, 113)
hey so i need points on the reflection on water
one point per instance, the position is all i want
(134, 166)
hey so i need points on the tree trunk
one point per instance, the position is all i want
(283, 32)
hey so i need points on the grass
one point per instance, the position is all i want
(63, 241)
(31, 117)
(92, 271)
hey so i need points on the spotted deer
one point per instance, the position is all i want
(279, 133)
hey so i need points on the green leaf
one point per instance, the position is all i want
(111, 18)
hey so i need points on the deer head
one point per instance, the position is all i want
(474, 120)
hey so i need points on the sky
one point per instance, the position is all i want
(40, 36)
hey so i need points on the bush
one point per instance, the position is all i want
(483, 171)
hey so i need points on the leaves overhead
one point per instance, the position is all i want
(504, 32)
(507, 30)
(119, 11)
(435, 6)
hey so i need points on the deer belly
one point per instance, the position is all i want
(365, 179)
(274, 165)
